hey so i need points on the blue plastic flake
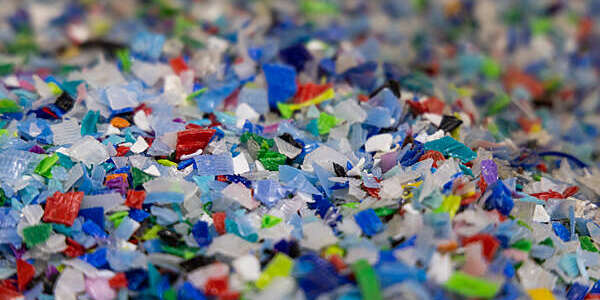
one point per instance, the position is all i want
(281, 81)
(92, 229)
(561, 231)
(95, 214)
(201, 234)
(577, 291)
(500, 199)
(369, 222)
(448, 146)
(148, 45)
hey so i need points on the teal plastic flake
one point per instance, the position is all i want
(451, 147)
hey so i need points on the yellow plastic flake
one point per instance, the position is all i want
(450, 205)
(287, 110)
(334, 250)
(455, 133)
(540, 294)
(166, 163)
(55, 89)
(280, 266)
(152, 233)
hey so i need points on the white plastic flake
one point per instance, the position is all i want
(248, 267)
(89, 151)
(139, 146)
(66, 132)
(240, 164)
(241, 194)
(317, 235)
(69, 283)
(286, 148)
(230, 245)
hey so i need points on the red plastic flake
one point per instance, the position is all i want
(194, 126)
(118, 281)
(373, 192)
(338, 263)
(9, 294)
(482, 185)
(50, 112)
(74, 249)
(470, 199)
(135, 199)
(363, 98)
(592, 297)
(547, 195)
(219, 221)
(309, 91)
(232, 100)
(63, 208)
(515, 78)
(122, 150)
(216, 286)
(542, 167)
(221, 178)
(435, 155)
(489, 244)
(570, 191)
(191, 140)
(25, 272)
(146, 109)
(431, 105)
(178, 65)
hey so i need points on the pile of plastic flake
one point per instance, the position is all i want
(299, 149)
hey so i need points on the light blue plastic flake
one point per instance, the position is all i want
(451, 147)
(164, 197)
(568, 263)
(148, 45)
(214, 165)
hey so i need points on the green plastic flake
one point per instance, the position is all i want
(367, 281)
(385, 211)
(326, 122)
(125, 59)
(451, 147)
(280, 266)
(490, 68)
(318, 8)
(257, 138)
(352, 205)
(88, 124)
(587, 244)
(541, 25)
(524, 245)
(36, 234)
(471, 286)
(536, 176)
(500, 103)
(166, 163)
(522, 223)
(139, 177)
(269, 221)
(8, 106)
(195, 94)
(6, 69)
(183, 252)
(170, 294)
(271, 160)
(2, 197)
(547, 242)
(118, 217)
(44, 168)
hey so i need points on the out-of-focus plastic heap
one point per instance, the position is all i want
(299, 149)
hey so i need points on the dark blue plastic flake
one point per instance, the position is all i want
(561, 231)
(500, 199)
(281, 82)
(412, 156)
(96, 214)
(138, 215)
(295, 55)
(369, 222)
(96, 258)
(316, 275)
(189, 292)
(577, 291)
(136, 279)
(90, 228)
(201, 234)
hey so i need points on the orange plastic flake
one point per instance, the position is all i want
(119, 122)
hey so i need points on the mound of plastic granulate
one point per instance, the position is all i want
(313, 149)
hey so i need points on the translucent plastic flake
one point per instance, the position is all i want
(66, 132)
